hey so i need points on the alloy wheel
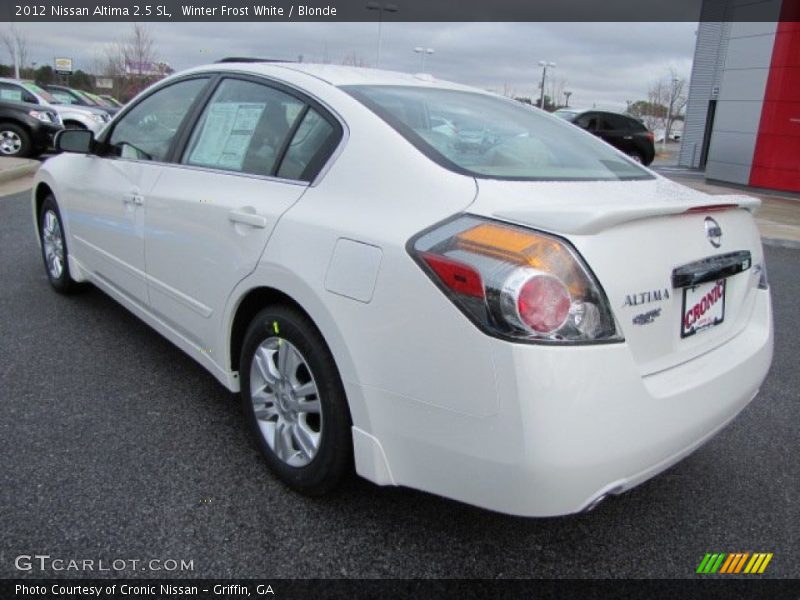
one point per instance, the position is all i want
(286, 401)
(53, 243)
(10, 142)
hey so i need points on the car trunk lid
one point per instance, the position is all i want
(659, 249)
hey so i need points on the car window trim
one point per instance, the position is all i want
(287, 141)
(340, 130)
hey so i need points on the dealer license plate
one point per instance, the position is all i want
(703, 307)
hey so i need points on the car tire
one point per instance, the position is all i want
(54, 248)
(14, 141)
(294, 401)
(638, 157)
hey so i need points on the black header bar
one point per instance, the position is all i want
(400, 10)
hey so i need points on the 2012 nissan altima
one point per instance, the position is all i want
(430, 284)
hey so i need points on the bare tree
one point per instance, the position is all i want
(132, 62)
(353, 60)
(136, 53)
(666, 99)
(677, 100)
(508, 91)
(557, 87)
(16, 43)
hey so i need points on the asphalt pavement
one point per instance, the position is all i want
(115, 445)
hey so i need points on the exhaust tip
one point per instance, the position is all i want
(595, 502)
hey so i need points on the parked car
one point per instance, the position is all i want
(530, 324)
(69, 95)
(73, 117)
(106, 105)
(112, 100)
(621, 131)
(26, 129)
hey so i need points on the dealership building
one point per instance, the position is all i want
(743, 112)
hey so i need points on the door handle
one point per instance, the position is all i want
(628, 137)
(133, 198)
(248, 218)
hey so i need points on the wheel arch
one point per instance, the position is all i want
(41, 191)
(248, 306)
(15, 121)
(253, 300)
(75, 122)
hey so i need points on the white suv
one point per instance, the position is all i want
(506, 311)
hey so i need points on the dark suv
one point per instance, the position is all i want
(621, 131)
(26, 129)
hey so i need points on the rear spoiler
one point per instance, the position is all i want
(581, 220)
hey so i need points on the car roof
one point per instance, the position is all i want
(336, 75)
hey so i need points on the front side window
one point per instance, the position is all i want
(487, 136)
(35, 90)
(147, 130)
(63, 97)
(244, 128)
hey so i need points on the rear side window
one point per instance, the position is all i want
(635, 125)
(487, 136)
(243, 128)
(311, 145)
(16, 93)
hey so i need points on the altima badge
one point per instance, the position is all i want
(713, 232)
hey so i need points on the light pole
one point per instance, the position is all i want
(381, 8)
(423, 52)
(544, 64)
(566, 99)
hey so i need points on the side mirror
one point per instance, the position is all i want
(74, 140)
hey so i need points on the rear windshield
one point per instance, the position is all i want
(493, 137)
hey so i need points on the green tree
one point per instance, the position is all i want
(81, 80)
(44, 75)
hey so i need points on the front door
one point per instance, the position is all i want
(106, 215)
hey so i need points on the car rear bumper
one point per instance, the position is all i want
(574, 424)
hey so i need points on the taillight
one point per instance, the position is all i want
(516, 283)
(651, 136)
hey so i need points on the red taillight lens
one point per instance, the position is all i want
(543, 303)
(514, 282)
(457, 276)
(651, 136)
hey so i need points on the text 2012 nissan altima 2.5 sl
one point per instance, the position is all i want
(525, 320)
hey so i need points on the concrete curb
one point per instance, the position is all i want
(781, 243)
(28, 167)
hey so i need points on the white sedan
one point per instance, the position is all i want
(506, 311)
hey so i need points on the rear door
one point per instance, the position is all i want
(614, 130)
(248, 158)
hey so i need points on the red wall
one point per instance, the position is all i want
(776, 160)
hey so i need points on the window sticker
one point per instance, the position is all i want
(15, 95)
(226, 135)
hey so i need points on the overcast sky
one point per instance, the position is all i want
(601, 63)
